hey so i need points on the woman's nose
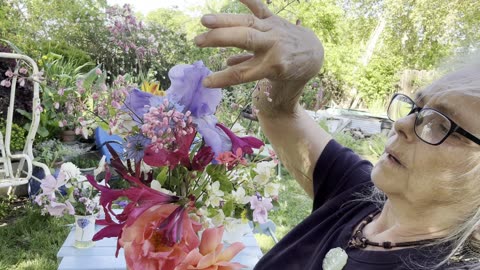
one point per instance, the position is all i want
(404, 127)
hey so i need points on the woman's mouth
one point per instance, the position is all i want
(393, 159)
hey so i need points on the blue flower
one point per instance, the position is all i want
(135, 146)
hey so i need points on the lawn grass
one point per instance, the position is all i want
(295, 206)
(29, 240)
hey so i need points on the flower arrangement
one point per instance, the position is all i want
(186, 173)
(68, 193)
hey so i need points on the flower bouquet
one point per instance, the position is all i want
(68, 193)
(187, 175)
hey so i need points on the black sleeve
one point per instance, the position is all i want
(338, 169)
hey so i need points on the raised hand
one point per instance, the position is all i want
(280, 51)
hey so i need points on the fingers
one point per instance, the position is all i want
(240, 37)
(232, 20)
(245, 72)
(258, 8)
(237, 59)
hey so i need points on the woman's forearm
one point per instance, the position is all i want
(296, 138)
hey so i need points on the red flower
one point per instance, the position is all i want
(244, 143)
(141, 199)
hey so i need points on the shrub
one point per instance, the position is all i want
(17, 141)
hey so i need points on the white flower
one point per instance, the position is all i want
(264, 170)
(158, 187)
(235, 230)
(219, 218)
(70, 171)
(214, 194)
(239, 196)
(265, 167)
(271, 190)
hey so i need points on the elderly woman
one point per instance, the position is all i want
(417, 208)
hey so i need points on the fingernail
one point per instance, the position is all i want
(199, 39)
(209, 19)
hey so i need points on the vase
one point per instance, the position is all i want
(68, 136)
(84, 231)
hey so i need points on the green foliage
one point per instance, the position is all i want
(69, 53)
(49, 152)
(85, 161)
(217, 173)
(378, 80)
(18, 136)
(373, 147)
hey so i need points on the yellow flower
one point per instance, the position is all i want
(152, 88)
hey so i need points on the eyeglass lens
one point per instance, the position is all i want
(430, 126)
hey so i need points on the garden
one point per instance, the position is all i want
(125, 132)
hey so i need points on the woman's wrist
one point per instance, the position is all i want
(274, 99)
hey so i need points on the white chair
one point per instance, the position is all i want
(8, 177)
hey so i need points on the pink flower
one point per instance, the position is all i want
(260, 206)
(61, 91)
(50, 183)
(9, 73)
(58, 209)
(210, 254)
(145, 241)
(6, 83)
(23, 70)
(245, 143)
(231, 160)
(98, 71)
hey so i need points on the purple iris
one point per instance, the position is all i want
(135, 102)
(187, 90)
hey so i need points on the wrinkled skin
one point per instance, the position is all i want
(288, 55)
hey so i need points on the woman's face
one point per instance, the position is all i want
(424, 174)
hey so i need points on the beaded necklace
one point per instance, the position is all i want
(360, 241)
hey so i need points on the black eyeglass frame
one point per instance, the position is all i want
(454, 127)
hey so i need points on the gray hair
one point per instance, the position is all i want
(465, 237)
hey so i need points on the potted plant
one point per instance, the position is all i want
(86, 162)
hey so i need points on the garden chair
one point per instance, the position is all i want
(9, 177)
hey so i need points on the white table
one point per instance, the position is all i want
(102, 255)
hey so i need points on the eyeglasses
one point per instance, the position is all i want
(431, 126)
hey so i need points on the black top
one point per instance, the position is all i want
(339, 176)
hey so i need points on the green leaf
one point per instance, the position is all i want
(90, 77)
(162, 176)
(13, 46)
(42, 131)
(25, 113)
(228, 208)
(218, 173)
